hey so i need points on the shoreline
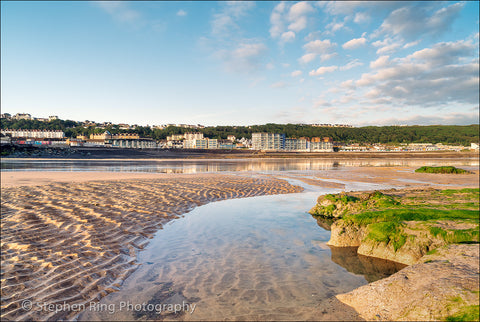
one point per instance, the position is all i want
(82, 153)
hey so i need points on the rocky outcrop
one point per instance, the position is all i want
(346, 235)
(338, 205)
(440, 285)
(391, 226)
(417, 243)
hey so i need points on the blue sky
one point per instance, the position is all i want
(242, 63)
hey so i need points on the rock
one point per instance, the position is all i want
(438, 286)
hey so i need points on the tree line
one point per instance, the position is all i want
(446, 134)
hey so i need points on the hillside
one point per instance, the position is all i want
(446, 134)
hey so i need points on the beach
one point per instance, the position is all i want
(75, 241)
(73, 237)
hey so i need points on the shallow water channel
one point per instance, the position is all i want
(242, 259)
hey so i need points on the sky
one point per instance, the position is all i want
(242, 63)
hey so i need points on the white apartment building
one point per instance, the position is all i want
(34, 134)
(203, 143)
(193, 136)
(301, 145)
(268, 141)
(321, 146)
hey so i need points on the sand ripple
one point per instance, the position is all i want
(74, 243)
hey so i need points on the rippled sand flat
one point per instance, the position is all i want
(74, 242)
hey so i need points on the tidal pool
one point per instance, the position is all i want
(244, 259)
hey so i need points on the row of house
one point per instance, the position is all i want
(26, 116)
(34, 134)
(198, 141)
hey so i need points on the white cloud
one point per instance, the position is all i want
(296, 73)
(245, 58)
(361, 17)
(120, 11)
(349, 84)
(381, 61)
(321, 102)
(294, 17)
(335, 26)
(276, 20)
(442, 75)
(351, 64)
(445, 53)
(388, 45)
(299, 9)
(322, 70)
(411, 21)
(288, 36)
(279, 85)
(325, 57)
(320, 46)
(225, 21)
(354, 43)
(298, 25)
(181, 13)
(411, 44)
(307, 58)
(297, 16)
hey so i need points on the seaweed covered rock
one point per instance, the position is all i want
(339, 205)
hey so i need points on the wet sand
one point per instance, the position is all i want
(73, 237)
(76, 238)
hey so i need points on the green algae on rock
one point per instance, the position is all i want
(401, 225)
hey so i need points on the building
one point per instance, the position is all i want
(125, 136)
(22, 116)
(321, 146)
(123, 126)
(6, 116)
(300, 145)
(137, 143)
(53, 118)
(203, 143)
(226, 144)
(175, 144)
(175, 137)
(268, 141)
(193, 136)
(103, 136)
(34, 134)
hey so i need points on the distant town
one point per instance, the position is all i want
(194, 139)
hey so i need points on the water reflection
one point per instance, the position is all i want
(371, 268)
(201, 166)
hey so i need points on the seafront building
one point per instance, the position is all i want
(268, 141)
(278, 142)
(300, 145)
(34, 134)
